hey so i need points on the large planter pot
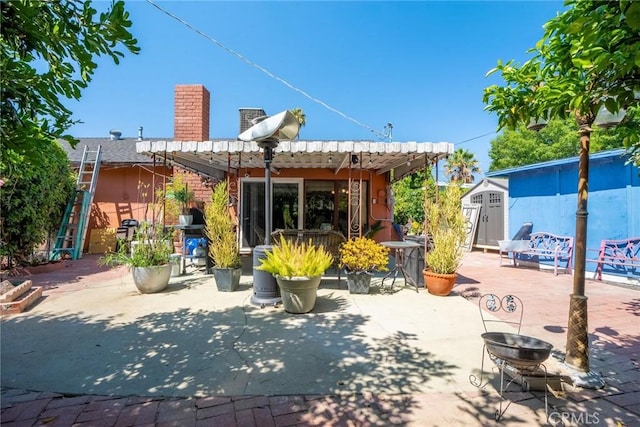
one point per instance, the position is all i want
(227, 279)
(439, 284)
(298, 293)
(359, 282)
(149, 280)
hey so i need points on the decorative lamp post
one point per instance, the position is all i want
(267, 132)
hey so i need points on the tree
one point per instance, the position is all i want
(461, 166)
(48, 51)
(557, 140)
(33, 198)
(587, 60)
(409, 194)
(299, 114)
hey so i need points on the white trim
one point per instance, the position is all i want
(232, 146)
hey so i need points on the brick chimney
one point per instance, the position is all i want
(191, 117)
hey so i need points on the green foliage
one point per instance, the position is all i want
(446, 225)
(557, 140)
(220, 229)
(178, 195)
(588, 58)
(299, 114)
(628, 131)
(461, 166)
(363, 254)
(374, 229)
(33, 196)
(154, 247)
(48, 50)
(409, 196)
(291, 259)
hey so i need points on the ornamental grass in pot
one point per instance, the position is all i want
(179, 198)
(360, 257)
(224, 250)
(445, 223)
(298, 269)
(148, 258)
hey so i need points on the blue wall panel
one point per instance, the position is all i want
(547, 197)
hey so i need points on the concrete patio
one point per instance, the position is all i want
(95, 352)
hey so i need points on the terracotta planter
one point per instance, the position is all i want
(150, 280)
(439, 284)
(298, 293)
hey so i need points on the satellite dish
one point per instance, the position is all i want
(281, 126)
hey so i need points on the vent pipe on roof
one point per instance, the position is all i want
(139, 133)
(115, 134)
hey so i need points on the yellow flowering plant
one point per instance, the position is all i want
(363, 254)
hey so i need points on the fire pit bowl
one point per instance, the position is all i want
(517, 350)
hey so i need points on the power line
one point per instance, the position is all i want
(474, 138)
(264, 70)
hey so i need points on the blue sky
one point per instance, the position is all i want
(419, 65)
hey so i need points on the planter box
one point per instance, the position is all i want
(227, 279)
(359, 283)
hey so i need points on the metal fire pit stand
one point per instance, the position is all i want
(513, 305)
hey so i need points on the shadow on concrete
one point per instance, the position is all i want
(235, 351)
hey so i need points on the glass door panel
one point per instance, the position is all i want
(285, 209)
(285, 206)
(319, 205)
(252, 224)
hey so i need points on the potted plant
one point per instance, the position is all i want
(223, 244)
(361, 257)
(148, 258)
(298, 269)
(178, 192)
(445, 224)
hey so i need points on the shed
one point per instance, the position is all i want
(492, 225)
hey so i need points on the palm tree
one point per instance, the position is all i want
(302, 118)
(461, 166)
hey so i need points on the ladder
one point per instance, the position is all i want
(73, 229)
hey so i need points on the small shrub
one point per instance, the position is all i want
(364, 254)
(296, 260)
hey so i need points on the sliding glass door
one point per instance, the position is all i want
(286, 195)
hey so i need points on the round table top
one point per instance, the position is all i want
(397, 244)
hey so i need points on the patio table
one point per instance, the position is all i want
(402, 251)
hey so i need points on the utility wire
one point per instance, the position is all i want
(380, 135)
(264, 70)
(474, 138)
